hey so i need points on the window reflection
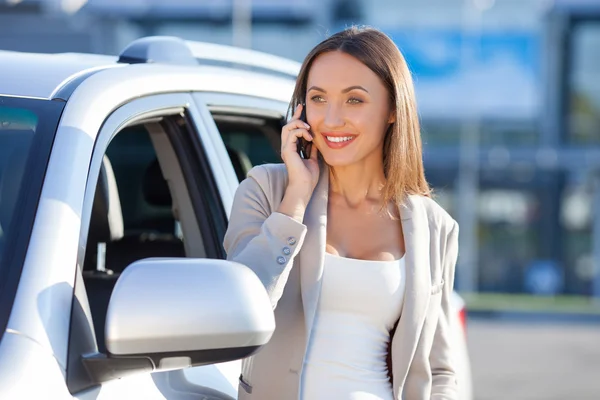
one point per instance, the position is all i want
(437, 132)
(584, 85)
(576, 220)
(508, 238)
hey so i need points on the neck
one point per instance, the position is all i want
(358, 183)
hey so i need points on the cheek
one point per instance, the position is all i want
(315, 115)
(369, 123)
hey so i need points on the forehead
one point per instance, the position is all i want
(338, 68)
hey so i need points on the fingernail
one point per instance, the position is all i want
(307, 125)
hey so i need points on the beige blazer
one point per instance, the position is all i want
(288, 257)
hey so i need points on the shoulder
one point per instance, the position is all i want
(439, 219)
(266, 173)
(268, 181)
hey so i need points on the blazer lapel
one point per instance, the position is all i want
(312, 254)
(418, 288)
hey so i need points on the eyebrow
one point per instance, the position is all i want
(348, 89)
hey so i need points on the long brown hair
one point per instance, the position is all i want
(402, 148)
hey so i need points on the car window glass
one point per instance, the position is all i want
(27, 129)
(249, 140)
(143, 191)
(17, 129)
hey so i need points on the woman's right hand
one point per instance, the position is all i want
(302, 174)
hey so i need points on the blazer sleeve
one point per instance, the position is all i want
(441, 359)
(264, 240)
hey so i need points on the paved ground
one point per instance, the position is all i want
(535, 360)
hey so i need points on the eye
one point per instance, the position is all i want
(354, 100)
(317, 99)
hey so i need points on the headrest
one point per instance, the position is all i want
(106, 223)
(155, 188)
(241, 163)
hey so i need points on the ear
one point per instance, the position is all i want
(392, 117)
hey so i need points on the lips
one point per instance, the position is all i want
(338, 140)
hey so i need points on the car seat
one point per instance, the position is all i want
(241, 162)
(159, 240)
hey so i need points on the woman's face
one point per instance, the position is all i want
(347, 108)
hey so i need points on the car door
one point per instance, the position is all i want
(220, 380)
(143, 187)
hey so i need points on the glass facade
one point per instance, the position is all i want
(583, 119)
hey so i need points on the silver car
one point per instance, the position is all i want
(117, 175)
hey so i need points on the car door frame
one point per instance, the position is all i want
(259, 106)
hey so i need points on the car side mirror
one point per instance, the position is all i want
(173, 313)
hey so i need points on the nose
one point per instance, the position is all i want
(334, 117)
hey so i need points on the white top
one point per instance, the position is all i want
(360, 302)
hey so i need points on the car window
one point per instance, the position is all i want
(250, 140)
(143, 191)
(131, 219)
(17, 128)
(27, 128)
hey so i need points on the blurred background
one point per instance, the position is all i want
(509, 99)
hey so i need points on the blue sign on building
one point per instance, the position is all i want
(493, 74)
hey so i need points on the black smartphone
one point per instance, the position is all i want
(303, 145)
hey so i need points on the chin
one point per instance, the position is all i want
(338, 160)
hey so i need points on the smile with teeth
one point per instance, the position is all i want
(336, 139)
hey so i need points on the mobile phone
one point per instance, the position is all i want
(303, 145)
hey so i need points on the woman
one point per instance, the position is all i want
(357, 259)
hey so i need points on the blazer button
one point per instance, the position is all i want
(291, 240)
(287, 251)
(281, 260)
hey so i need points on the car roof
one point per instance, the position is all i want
(39, 75)
(52, 76)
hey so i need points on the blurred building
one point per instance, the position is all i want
(508, 91)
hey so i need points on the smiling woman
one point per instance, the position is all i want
(357, 259)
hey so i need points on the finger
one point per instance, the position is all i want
(297, 112)
(297, 133)
(291, 141)
(295, 124)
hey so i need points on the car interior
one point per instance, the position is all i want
(252, 140)
(132, 218)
